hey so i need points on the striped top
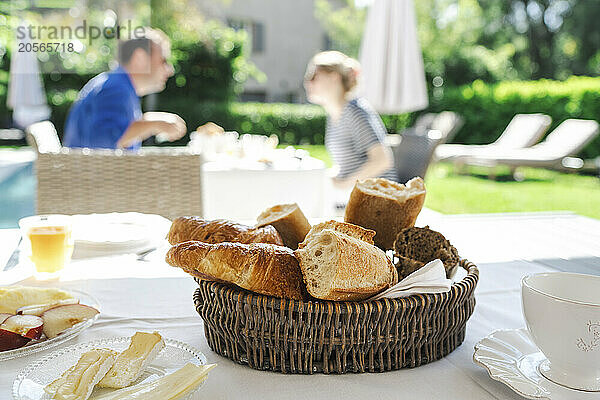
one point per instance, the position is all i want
(350, 137)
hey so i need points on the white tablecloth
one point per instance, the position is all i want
(242, 190)
(153, 296)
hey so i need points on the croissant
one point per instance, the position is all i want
(220, 230)
(259, 267)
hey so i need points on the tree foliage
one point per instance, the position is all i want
(491, 40)
(343, 22)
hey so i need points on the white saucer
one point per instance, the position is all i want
(511, 357)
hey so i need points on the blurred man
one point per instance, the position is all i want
(107, 113)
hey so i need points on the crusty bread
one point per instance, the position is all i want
(289, 221)
(352, 230)
(386, 207)
(220, 230)
(339, 267)
(259, 267)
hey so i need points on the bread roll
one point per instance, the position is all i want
(259, 267)
(352, 230)
(339, 267)
(414, 247)
(289, 221)
(220, 230)
(386, 207)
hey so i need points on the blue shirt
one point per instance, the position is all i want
(104, 109)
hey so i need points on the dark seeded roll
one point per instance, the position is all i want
(414, 247)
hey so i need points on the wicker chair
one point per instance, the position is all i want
(161, 180)
(42, 137)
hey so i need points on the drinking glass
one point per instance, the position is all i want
(48, 242)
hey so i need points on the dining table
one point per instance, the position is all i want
(150, 295)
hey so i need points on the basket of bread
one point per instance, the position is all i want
(286, 296)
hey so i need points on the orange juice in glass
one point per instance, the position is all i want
(49, 243)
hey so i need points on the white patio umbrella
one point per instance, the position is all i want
(26, 96)
(392, 77)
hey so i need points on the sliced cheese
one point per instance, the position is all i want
(170, 387)
(78, 382)
(14, 297)
(131, 363)
(54, 385)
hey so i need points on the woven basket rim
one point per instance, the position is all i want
(247, 297)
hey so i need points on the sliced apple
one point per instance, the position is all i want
(39, 309)
(60, 318)
(4, 316)
(28, 326)
(11, 340)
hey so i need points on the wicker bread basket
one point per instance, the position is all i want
(291, 336)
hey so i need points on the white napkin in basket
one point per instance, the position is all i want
(431, 278)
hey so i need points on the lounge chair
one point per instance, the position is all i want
(156, 180)
(523, 131)
(565, 141)
(448, 123)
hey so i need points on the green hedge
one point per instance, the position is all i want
(292, 123)
(487, 108)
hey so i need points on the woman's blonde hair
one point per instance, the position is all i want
(335, 61)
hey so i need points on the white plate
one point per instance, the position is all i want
(30, 382)
(117, 233)
(44, 344)
(511, 357)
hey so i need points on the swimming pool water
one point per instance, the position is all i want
(17, 196)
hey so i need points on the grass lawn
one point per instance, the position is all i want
(541, 190)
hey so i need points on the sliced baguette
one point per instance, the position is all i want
(339, 267)
(352, 230)
(288, 220)
(386, 207)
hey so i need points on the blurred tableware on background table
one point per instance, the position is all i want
(213, 145)
(241, 188)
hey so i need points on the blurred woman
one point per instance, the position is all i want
(355, 134)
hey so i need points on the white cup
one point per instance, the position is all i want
(562, 311)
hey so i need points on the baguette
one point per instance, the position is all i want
(259, 267)
(352, 230)
(289, 221)
(220, 230)
(386, 207)
(339, 267)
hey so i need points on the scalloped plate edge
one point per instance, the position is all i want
(544, 394)
(196, 353)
